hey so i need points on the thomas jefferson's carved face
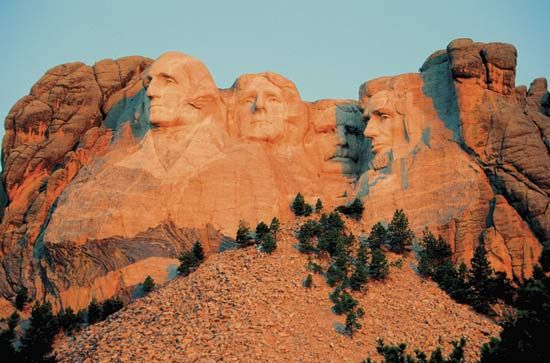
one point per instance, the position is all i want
(261, 110)
(170, 90)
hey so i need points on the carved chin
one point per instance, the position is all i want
(381, 161)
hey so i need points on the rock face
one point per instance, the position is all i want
(111, 171)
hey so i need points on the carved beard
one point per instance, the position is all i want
(381, 161)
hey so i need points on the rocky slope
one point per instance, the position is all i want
(246, 306)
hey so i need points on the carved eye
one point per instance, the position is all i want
(384, 117)
(169, 80)
(249, 100)
(353, 130)
(273, 99)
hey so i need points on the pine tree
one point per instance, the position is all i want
(94, 312)
(318, 206)
(68, 321)
(352, 321)
(188, 263)
(36, 344)
(243, 234)
(299, 205)
(377, 236)
(6, 339)
(261, 230)
(399, 235)
(21, 298)
(274, 226)
(148, 285)
(198, 251)
(308, 281)
(360, 275)
(378, 268)
(480, 280)
(269, 245)
(110, 306)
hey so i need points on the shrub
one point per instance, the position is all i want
(354, 210)
(110, 306)
(308, 281)
(148, 285)
(377, 236)
(318, 206)
(21, 298)
(94, 312)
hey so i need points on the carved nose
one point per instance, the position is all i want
(259, 103)
(340, 136)
(370, 130)
(152, 89)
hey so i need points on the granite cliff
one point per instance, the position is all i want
(111, 171)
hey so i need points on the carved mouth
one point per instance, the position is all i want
(344, 156)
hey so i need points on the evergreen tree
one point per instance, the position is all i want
(274, 226)
(352, 321)
(94, 312)
(544, 259)
(399, 235)
(377, 236)
(318, 206)
(269, 245)
(261, 230)
(300, 207)
(306, 232)
(308, 281)
(480, 280)
(335, 275)
(110, 306)
(378, 268)
(360, 275)
(362, 253)
(68, 320)
(524, 338)
(198, 251)
(36, 344)
(6, 339)
(343, 302)
(21, 298)
(243, 234)
(148, 285)
(435, 254)
(188, 263)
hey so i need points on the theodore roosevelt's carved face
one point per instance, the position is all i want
(340, 142)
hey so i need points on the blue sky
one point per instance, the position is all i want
(328, 48)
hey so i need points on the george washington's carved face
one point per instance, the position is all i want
(179, 86)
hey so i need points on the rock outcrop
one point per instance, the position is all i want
(113, 170)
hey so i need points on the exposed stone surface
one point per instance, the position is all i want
(245, 306)
(108, 168)
(50, 134)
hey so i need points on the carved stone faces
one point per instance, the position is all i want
(179, 87)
